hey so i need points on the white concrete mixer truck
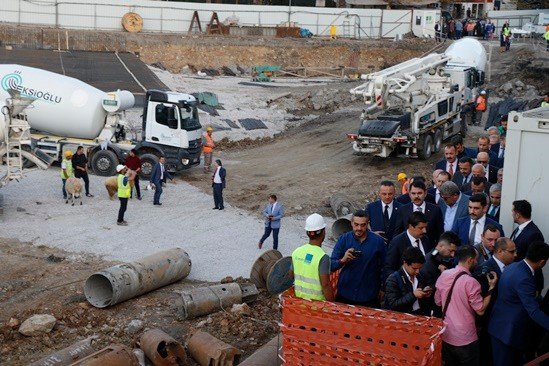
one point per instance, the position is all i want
(415, 105)
(66, 112)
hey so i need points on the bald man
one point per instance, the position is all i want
(490, 172)
(479, 172)
(483, 145)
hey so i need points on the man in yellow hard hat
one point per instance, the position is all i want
(67, 170)
(208, 148)
(403, 180)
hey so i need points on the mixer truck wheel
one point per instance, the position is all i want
(427, 148)
(148, 161)
(437, 140)
(104, 163)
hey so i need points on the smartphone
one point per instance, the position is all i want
(427, 289)
(357, 253)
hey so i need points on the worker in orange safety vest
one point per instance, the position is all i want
(480, 108)
(207, 149)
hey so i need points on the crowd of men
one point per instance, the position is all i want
(439, 250)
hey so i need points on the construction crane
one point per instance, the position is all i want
(415, 105)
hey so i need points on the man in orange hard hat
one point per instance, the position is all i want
(403, 180)
(208, 148)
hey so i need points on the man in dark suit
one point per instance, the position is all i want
(495, 201)
(505, 252)
(404, 199)
(439, 178)
(460, 147)
(501, 151)
(404, 289)
(450, 162)
(478, 184)
(383, 212)
(493, 136)
(526, 232)
(464, 175)
(218, 184)
(483, 144)
(453, 204)
(158, 177)
(469, 229)
(490, 171)
(517, 309)
(432, 212)
(413, 236)
(488, 239)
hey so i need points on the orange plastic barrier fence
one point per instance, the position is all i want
(325, 333)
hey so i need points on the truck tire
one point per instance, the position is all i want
(104, 163)
(427, 148)
(148, 161)
(437, 140)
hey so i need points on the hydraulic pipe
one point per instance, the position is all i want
(125, 281)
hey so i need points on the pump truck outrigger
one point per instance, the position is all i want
(414, 106)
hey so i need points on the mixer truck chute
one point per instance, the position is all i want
(415, 105)
(67, 112)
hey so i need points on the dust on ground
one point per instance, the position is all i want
(41, 280)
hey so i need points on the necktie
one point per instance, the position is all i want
(451, 169)
(473, 233)
(464, 181)
(492, 210)
(514, 234)
(419, 209)
(386, 217)
(418, 245)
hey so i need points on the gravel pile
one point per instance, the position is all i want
(220, 243)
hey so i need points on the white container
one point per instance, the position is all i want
(526, 170)
(63, 106)
(467, 51)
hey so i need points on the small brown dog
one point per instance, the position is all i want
(111, 183)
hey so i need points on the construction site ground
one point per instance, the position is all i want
(48, 248)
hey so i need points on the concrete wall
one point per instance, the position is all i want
(176, 17)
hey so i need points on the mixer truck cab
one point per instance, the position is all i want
(171, 127)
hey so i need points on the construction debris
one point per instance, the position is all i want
(37, 325)
(210, 351)
(113, 355)
(68, 355)
(124, 281)
(210, 299)
(162, 349)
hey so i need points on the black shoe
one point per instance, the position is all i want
(215, 208)
(222, 208)
(89, 195)
(139, 198)
(157, 204)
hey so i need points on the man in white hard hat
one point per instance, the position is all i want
(480, 108)
(311, 265)
(124, 192)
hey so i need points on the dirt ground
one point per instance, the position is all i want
(41, 280)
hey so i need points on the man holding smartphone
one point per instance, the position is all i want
(403, 291)
(360, 254)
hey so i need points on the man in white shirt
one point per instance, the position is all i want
(218, 184)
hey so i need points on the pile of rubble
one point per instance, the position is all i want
(517, 89)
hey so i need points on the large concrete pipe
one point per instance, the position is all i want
(266, 355)
(210, 299)
(125, 281)
(343, 209)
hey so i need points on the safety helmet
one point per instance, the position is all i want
(68, 154)
(401, 176)
(483, 92)
(315, 222)
(209, 129)
(119, 168)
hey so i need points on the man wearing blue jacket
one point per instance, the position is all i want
(273, 213)
(158, 176)
(517, 309)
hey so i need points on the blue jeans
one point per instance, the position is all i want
(267, 233)
(157, 192)
(63, 189)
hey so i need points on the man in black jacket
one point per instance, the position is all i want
(80, 165)
(402, 289)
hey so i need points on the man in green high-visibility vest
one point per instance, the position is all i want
(124, 192)
(311, 265)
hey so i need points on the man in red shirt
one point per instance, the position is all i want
(134, 163)
(459, 295)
